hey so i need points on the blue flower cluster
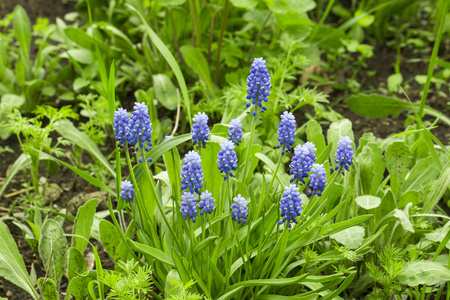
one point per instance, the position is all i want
(126, 190)
(189, 205)
(302, 161)
(235, 131)
(291, 205)
(258, 85)
(239, 210)
(206, 203)
(344, 153)
(227, 159)
(120, 125)
(200, 129)
(192, 173)
(318, 179)
(167, 138)
(286, 131)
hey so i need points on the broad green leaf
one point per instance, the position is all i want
(365, 139)
(421, 174)
(83, 224)
(152, 252)
(244, 3)
(315, 136)
(424, 272)
(83, 39)
(78, 286)
(394, 81)
(82, 56)
(23, 161)
(352, 237)
(195, 60)
(403, 217)
(70, 132)
(12, 100)
(80, 83)
(438, 189)
(368, 202)
(397, 163)
(272, 166)
(171, 2)
(378, 170)
(12, 266)
(22, 31)
(76, 263)
(439, 234)
(165, 91)
(337, 129)
(48, 289)
(409, 197)
(211, 174)
(53, 249)
(110, 238)
(365, 169)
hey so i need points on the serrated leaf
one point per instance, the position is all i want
(424, 272)
(368, 202)
(352, 237)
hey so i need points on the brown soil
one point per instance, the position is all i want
(39, 8)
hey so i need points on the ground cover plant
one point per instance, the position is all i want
(223, 164)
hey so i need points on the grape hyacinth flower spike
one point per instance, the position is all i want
(192, 173)
(189, 206)
(302, 161)
(235, 131)
(291, 205)
(344, 153)
(239, 210)
(127, 190)
(286, 131)
(227, 159)
(318, 179)
(121, 126)
(206, 203)
(258, 85)
(200, 129)
(140, 129)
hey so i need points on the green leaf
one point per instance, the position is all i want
(365, 169)
(397, 163)
(403, 217)
(12, 266)
(409, 197)
(283, 180)
(394, 81)
(352, 237)
(83, 224)
(49, 291)
(421, 174)
(195, 60)
(315, 136)
(438, 189)
(424, 272)
(78, 286)
(80, 83)
(21, 162)
(152, 252)
(53, 249)
(244, 3)
(368, 202)
(76, 263)
(211, 174)
(22, 31)
(165, 91)
(70, 132)
(171, 2)
(337, 129)
(110, 238)
(377, 106)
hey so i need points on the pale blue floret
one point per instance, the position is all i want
(200, 129)
(239, 210)
(318, 179)
(192, 173)
(167, 138)
(286, 131)
(188, 206)
(258, 85)
(126, 190)
(291, 205)
(344, 153)
(235, 131)
(227, 159)
(140, 132)
(206, 203)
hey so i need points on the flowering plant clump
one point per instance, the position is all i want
(239, 210)
(227, 159)
(120, 125)
(235, 131)
(291, 205)
(127, 190)
(189, 206)
(192, 173)
(258, 85)
(302, 162)
(286, 131)
(344, 153)
(318, 179)
(206, 203)
(140, 131)
(200, 129)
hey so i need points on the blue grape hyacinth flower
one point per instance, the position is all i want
(291, 205)
(192, 173)
(286, 131)
(344, 153)
(140, 129)
(302, 161)
(200, 129)
(206, 203)
(121, 126)
(127, 190)
(189, 206)
(239, 210)
(235, 131)
(258, 85)
(167, 138)
(318, 179)
(227, 159)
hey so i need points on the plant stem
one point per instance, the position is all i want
(258, 37)
(222, 31)
(249, 148)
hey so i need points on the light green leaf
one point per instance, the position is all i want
(352, 237)
(83, 56)
(80, 83)
(165, 91)
(22, 31)
(421, 174)
(397, 163)
(368, 202)
(394, 81)
(171, 2)
(212, 176)
(337, 129)
(76, 263)
(83, 224)
(438, 189)
(49, 291)
(152, 252)
(244, 3)
(110, 238)
(315, 136)
(195, 60)
(424, 272)
(365, 169)
(404, 219)
(12, 266)
(78, 286)
(21, 162)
